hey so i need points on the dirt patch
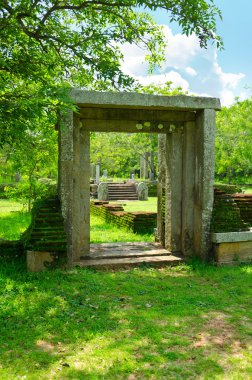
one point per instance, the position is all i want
(218, 333)
(45, 346)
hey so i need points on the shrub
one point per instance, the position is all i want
(28, 192)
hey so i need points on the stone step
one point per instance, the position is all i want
(47, 222)
(127, 262)
(46, 238)
(51, 246)
(122, 190)
(121, 198)
(128, 194)
(48, 229)
(122, 194)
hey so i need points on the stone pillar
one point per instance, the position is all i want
(152, 174)
(161, 186)
(65, 175)
(92, 170)
(173, 207)
(141, 166)
(188, 183)
(146, 166)
(204, 180)
(81, 192)
(97, 174)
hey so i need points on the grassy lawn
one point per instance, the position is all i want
(13, 219)
(189, 322)
(150, 205)
(247, 190)
(102, 232)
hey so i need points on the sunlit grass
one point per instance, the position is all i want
(102, 232)
(150, 205)
(247, 190)
(189, 322)
(14, 219)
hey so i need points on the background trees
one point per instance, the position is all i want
(234, 142)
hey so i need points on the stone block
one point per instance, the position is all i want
(232, 248)
(38, 261)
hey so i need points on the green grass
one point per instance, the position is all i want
(150, 205)
(247, 190)
(102, 232)
(189, 322)
(13, 219)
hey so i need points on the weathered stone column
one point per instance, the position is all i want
(173, 220)
(142, 166)
(65, 179)
(188, 183)
(152, 174)
(161, 186)
(92, 170)
(81, 192)
(146, 159)
(204, 180)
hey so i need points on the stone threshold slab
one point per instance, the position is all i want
(129, 262)
(120, 250)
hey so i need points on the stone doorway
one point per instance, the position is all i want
(186, 160)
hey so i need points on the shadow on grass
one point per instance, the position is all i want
(177, 323)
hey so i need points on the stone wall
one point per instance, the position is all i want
(244, 202)
(140, 222)
(226, 216)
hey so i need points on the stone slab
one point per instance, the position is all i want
(225, 237)
(136, 100)
(116, 263)
(120, 250)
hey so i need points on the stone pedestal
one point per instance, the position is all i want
(142, 191)
(103, 191)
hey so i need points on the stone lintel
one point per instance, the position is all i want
(129, 126)
(136, 100)
(231, 237)
(138, 115)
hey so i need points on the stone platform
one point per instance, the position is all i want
(126, 255)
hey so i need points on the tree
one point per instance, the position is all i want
(234, 142)
(120, 153)
(34, 156)
(48, 45)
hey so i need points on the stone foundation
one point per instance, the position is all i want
(233, 247)
(38, 261)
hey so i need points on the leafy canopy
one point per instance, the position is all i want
(48, 45)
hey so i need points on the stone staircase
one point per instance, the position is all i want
(122, 191)
(47, 232)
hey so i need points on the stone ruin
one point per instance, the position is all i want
(186, 128)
